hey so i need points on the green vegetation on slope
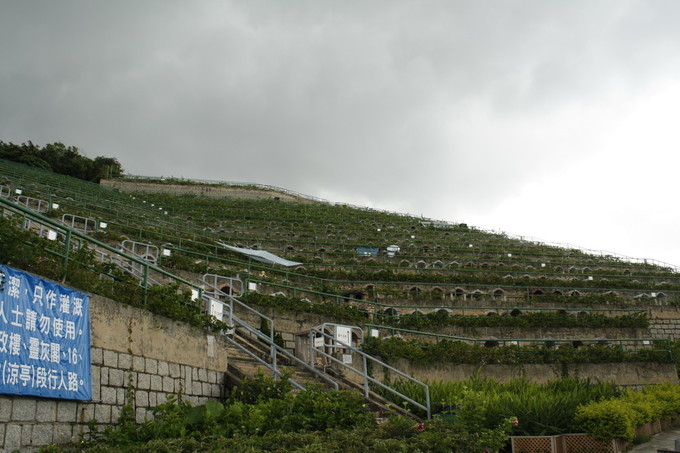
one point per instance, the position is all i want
(25, 251)
(264, 416)
(542, 410)
(61, 159)
(460, 352)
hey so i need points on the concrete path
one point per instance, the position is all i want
(664, 440)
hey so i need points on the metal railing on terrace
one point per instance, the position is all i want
(627, 344)
(57, 180)
(411, 257)
(70, 235)
(584, 250)
(378, 309)
(514, 287)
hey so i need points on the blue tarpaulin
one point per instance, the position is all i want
(44, 338)
(367, 251)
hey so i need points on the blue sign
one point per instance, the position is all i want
(44, 338)
(367, 251)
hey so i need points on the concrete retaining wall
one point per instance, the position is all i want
(628, 374)
(203, 190)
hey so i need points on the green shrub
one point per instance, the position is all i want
(541, 409)
(606, 420)
(461, 352)
(618, 418)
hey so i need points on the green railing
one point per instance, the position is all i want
(71, 234)
(337, 298)
(629, 344)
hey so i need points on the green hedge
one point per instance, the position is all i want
(532, 319)
(461, 352)
(617, 418)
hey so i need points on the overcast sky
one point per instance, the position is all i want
(550, 119)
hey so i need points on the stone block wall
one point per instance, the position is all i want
(137, 358)
(665, 322)
(665, 328)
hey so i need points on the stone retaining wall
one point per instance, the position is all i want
(137, 358)
(203, 190)
(665, 322)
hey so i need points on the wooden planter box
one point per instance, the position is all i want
(564, 443)
(580, 443)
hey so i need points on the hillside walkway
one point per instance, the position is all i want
(664, 440)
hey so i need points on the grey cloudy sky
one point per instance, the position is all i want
(555, 120)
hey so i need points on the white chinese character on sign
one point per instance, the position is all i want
(34, 348)
(17, 314)
(14, 286)
(51, 299)
(12, 373)
(24, 374)
(52, 379)
(62, 382)
(64, 303)
(77, 306)
(38, 295)
(44, 351)
(70, 332)
(14, 344)
(2, 310)
(58, 327)
(73, 381)
(45, 322)
(55, 352)
(31, 320)
(41, 377)
(4, 341)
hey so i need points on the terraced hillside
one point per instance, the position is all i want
(419, 290)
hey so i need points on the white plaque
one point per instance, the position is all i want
(343, 334)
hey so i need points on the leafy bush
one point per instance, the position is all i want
(541, 409)
(61, 159)
(315, 420)
(617, 418)
(527, 320)
(332, 310)
(606, 420)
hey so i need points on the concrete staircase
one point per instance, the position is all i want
(243, 365)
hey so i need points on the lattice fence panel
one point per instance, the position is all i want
(530, 444)
(567, 443)
(585, 443)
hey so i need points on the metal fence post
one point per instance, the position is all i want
(67, 249)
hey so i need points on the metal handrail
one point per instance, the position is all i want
(267, 339)
(77, 235)
(275, 371)
(364, 373)
(70, 233)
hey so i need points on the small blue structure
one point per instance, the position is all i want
(367, 251)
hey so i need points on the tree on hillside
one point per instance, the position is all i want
(62, 159)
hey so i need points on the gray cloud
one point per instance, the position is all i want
(437, 107)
